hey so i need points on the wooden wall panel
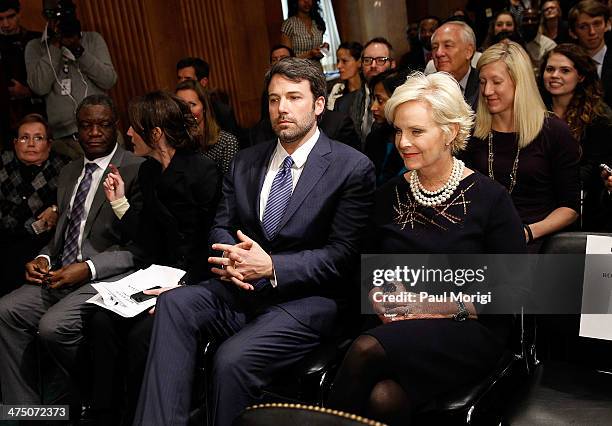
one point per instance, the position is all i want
(147, 37)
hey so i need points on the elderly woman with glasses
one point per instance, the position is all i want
(425, 349)
(28, 190)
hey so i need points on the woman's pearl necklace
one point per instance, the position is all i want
(435, 198)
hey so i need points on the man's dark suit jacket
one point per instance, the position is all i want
(353, 104)
(316, 249)
(103, 241)
(472, 88)
(606, 71)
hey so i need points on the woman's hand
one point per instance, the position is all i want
(49, 217)
(114, 188)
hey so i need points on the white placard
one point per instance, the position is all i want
(597, 287)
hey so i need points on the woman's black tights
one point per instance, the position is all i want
(364, 386)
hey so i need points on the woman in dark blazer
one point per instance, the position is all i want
(180, 191)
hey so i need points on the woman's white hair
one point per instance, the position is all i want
(443, 94)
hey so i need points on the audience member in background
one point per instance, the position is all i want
(88, 245)
(517, 8)
(198, 70)
(218, 145)
(13, 40)
(179, 187)
(303, 30)
(587, 22)
(377, 57)
(420, 54)
(349, 65)
(536, 44)
(431, 67)
(518, 144)
(454, 44)
(65, 66)
(280, 51)
(553, 25)
(28, 198)
(573, 91)
(287, 254)
(502, 22)
(420, 352)
(480, 13)
(380, 143)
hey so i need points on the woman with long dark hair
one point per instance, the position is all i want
(349, 66)
(303, 30)
(572, 90)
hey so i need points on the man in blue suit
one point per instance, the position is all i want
(287, 233)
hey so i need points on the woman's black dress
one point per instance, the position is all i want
(433, 356)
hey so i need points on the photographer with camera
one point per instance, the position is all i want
(65, 66)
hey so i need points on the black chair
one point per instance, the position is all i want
(307, 382)
(573, 383)
(483, 402)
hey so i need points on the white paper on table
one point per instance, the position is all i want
(597, 286)
(115, 296)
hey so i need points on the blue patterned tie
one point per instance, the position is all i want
(71, 243)
(280, 194)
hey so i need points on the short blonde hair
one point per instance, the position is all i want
(529, 109)
(443, 94)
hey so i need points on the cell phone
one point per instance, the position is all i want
(39, 226)
(141, 297)
(606, 168)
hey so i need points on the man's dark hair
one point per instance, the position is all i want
(355, 48)
(296, 70)
(100, 99)
(427, 18)
(593, 8)
(380, 40)
(282, 46)
(9, 4)
(201, 67)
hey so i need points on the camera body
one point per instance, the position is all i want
(63, 14)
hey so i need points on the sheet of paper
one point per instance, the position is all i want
(115, 296)
(597, 288)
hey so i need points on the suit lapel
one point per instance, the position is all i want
(100, 198)
(64, 193)
(315, 166)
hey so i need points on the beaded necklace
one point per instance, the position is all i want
(514, 165)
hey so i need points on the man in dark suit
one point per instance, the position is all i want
(87, 246)
(420, 53)
(453, 45)
(588, 22)
(287, 233)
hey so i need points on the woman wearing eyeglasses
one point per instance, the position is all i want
(28, 190)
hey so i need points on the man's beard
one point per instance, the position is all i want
(297, 131)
